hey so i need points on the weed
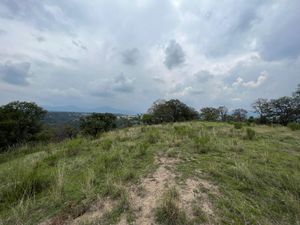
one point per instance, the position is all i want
(202, 144)
(294, 126)
(168, 213)
(106, 144)
(238, 125)
(250, 134)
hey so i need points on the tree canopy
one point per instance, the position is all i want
(171, 111)
(19, 122)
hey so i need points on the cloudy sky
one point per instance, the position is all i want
(125, 54)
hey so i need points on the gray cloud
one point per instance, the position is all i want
(123, 84)
(79, 45)
(175, 55)
(282, 39)
(130, 56)
(15, 73)
(40, 39)
(214, 40)
(203, 76)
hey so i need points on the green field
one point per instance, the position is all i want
(201, 173)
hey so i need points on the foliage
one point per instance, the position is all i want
(250, 134)
(257, 182)
(168, 213)
(282, 110)
(147, 119)
(97, 123)
(239, 115)
(223, 112)
(19, 122)
(210, 114)
(238, 125)
(294, 126)
(171, 111)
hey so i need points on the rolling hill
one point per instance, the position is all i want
(181, 173)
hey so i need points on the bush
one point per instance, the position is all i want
(19, 122)
(170, 111)
(97, 123)
(202, 144)
(294, 126)
(250, 134)
(238, 125)
(169, 213)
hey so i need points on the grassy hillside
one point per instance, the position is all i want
(182, 173)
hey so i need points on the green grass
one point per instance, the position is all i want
(168, 212)
(257, 171)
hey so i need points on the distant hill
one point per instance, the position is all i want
(104, 109)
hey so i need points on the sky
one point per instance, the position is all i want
(125, 54)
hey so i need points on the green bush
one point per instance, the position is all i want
(169, 213)
(250, 134)
(202, 144)
(238, 125)
(294, 126)
(97, 123)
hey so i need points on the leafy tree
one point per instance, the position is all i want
(284, 110)
(19, 122)
(210, 114)
(97, 123)
(223, 111)
(147, 118)
(264, 108)
(296, 99)
(171, 111)
(239, 115)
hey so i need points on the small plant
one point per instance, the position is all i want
(250, 134)
(106, 144)
(294, 126)
(202, 144)
(238, 125)
(168, 213)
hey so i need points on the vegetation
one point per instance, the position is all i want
(283, 110)
(97, 123)
(258, 179)
(170, 111)
(19, 122)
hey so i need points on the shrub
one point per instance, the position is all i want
(19, 122)
(97, 123)
(238, 125)
(168, 213)
(294, 126)
(250, 133)
(202, 144)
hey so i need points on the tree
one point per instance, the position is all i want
(223, 111)
(284, 110)
(239, 115)
(147, 119)
(171, 111)
(264, 108)
(296, 99)
(97, 123)
(210, 114)
(19, 122)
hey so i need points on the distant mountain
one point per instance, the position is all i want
(104, 109)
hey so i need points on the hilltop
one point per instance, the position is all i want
(177, 173)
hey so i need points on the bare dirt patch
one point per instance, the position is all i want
(145, 197)
(95, 212)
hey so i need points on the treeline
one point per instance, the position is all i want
(21, 122)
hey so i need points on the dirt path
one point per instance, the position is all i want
(144, 198)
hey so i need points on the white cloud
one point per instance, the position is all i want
(76, 49)
(251, 84)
